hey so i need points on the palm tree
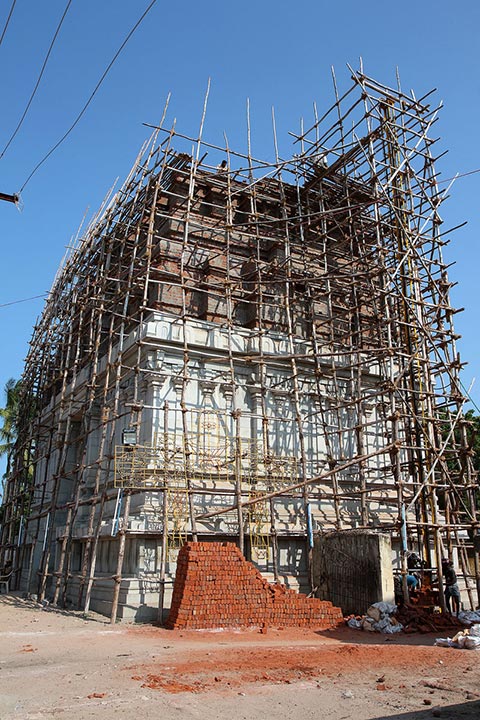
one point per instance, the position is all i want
(10, 416)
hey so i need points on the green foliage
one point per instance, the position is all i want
(10, 420)
(18, 411)
(472, 427)
(10, 416)
(474, 437)
(461, 445)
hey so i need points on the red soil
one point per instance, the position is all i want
(233, 667)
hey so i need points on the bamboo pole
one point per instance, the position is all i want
(163, 557)
(117, 578)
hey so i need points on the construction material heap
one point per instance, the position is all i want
(278, 340)
(216, 587)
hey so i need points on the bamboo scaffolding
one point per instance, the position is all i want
(303, 303)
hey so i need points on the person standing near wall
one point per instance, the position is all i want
(452, 590)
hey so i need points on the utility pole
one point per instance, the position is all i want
(15, 198)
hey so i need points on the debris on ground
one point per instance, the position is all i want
(388, 618)
(380, 617)
(468, 639)
(469, 616)
(424, 620)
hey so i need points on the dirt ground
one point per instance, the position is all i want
(59, 664)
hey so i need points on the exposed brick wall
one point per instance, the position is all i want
(216, 587)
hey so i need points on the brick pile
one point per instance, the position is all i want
(422, 620)
(216, 587)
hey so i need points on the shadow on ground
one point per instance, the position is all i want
(344, 634)
(447, 712)
(17, 599)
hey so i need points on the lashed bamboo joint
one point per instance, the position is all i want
(249, 350)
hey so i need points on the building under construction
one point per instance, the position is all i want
(248, 350)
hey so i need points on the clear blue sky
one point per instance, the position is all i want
(275, 52)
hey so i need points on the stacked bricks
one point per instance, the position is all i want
(215, 587)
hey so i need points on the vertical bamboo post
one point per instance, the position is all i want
(117, 578)
(163, 557)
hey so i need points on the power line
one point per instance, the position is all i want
(8, 20)
(15, 302)
(81, 113)
(460, 175)
(20, 123)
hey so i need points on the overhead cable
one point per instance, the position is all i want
(97, 86)
(20, 123)
(16, 302)
(460, 175)
(8, 20)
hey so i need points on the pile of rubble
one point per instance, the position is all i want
(380, 617)
(416, 619)
(389, 619)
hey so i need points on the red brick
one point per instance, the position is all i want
(216, 587)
